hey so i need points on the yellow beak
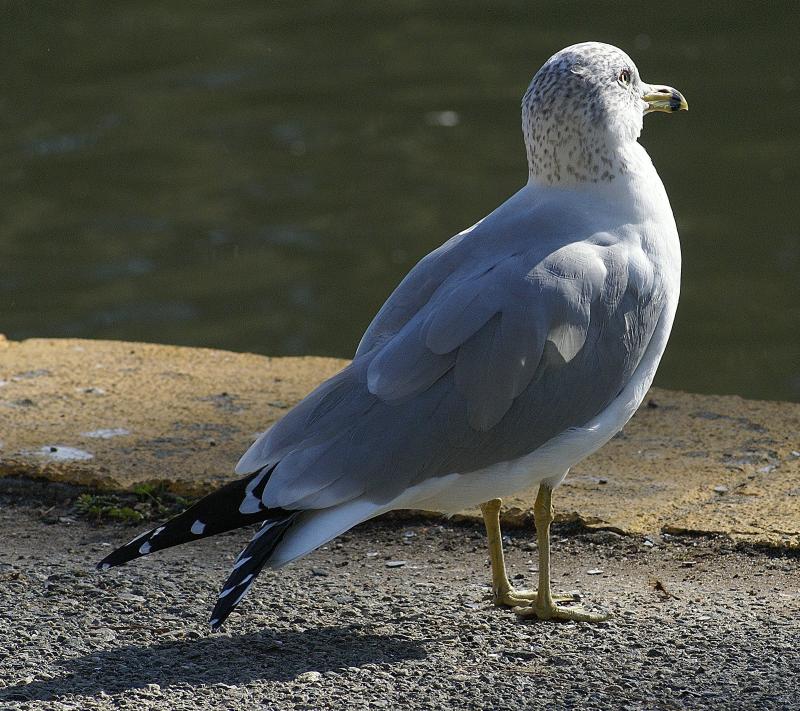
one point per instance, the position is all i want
(664, 98)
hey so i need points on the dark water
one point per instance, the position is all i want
(259, 175)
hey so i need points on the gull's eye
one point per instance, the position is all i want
(625, 77)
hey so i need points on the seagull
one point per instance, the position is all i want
(507, 355)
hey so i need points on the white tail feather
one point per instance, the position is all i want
(315, 528)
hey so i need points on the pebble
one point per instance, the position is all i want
(130, 597)
(103, 633)
(309, 677)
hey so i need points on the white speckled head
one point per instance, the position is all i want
(581, 110)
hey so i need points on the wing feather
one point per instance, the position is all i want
(404, 366)
(458, 315)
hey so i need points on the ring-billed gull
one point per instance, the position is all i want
(508, 354)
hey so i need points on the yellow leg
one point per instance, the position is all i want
(545, 608)
(503, 592)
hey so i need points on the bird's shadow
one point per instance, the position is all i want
(218, 658)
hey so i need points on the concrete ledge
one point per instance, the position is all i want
(111, 415)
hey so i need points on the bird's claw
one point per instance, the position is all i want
(543, 611)
(526, 598)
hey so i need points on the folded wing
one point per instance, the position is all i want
(479, 356)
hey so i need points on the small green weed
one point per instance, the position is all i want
(145, 502)
(98, 507)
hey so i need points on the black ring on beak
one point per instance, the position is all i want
(675, 100)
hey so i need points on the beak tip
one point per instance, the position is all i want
(678, 102)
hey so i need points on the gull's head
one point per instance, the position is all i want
(583, 110)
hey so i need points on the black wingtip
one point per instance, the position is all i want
(248, 565)
(218, 512)
(135, 548)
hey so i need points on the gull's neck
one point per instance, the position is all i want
(569, 159)
(635, 188)
(567, 147)
(583, 161)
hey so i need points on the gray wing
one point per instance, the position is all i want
(465, 367)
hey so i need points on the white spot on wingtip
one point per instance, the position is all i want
(214, 623)
(228, 591)
(240, 563)
(198, 527)
(144, 549)
(105, 566)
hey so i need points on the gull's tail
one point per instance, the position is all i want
(283, 536)
(232, 506)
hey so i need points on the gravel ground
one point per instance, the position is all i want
(393, 615)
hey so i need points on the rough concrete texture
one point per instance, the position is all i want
(391, 617)
(111, 415)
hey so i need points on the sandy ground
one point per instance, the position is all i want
(393, 615)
